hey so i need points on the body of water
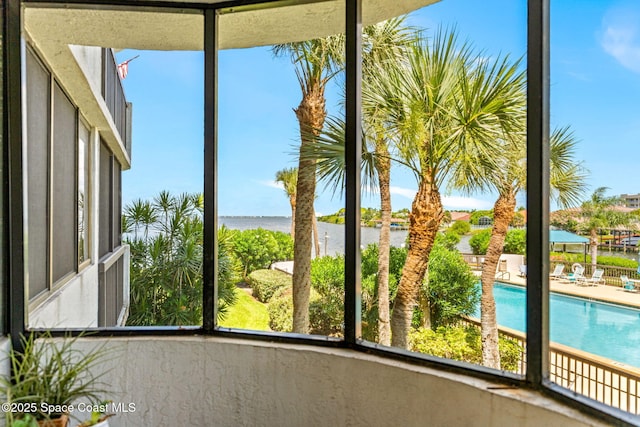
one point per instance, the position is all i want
(603, 329)
(334, 233)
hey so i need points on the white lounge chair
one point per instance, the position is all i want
(523, 270)
(594, 280)
(627, 284)
(576, 274)
(557, 272)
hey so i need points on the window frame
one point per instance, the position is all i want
(53, 285)
(537, 201)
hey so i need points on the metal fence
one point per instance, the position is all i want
(113, 95)
(604, 380)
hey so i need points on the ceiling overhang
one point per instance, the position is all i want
(182, 29)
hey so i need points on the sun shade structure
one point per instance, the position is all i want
(562, 237)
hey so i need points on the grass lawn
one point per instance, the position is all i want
(247, 313)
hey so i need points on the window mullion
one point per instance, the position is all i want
(353, 154)
(538, 192)
(210, 220)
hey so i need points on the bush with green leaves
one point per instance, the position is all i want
(451, 288)
(259, 248)
(463, 343)
(460, 227)
(280, 308)
(326, 314)
(266, 282)
(369, 273)
(475, 216)
(166, 236)
(515, 242)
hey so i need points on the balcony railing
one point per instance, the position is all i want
(113, 284)
(604, 380)
(113, 94)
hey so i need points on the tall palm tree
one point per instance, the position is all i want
(289, 179)
(597, 213)
(384, 45)
(567, 179)
(449, 108)
(315, 64)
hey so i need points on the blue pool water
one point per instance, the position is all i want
(607, 330)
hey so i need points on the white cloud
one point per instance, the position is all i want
(449, 202)
(619, 37)
(404, 192)
(272, 184)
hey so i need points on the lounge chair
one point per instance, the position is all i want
(627, 284)
(594, 280)
(557, 272)
(576, 274)
(523, 270)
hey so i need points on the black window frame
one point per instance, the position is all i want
(537, 201)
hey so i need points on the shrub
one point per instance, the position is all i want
(515, 242)
(475, 216)
(460, 227)
(326, 314)
(463, 343)
(166, 265)
(479, 242)
(266, 282)
(449, 240)
(259, 248)
(397, 258)
(280, 310)
(451, 289)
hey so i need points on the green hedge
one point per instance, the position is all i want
(280, 308)
(462, 343)
(266, 282)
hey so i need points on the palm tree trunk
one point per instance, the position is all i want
(503, 212)
(424, 220)
(383, 167)
(292, 202)
(311, 115)
(316, 238)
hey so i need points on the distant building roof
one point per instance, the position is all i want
(460, 216)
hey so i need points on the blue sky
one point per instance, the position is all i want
(595, 49)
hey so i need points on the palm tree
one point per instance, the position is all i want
(597, 213)
(567, 182)
(289, 179)
(384, 46)
(315, 64)
(449, 108)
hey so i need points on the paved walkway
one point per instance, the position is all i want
(607, 293)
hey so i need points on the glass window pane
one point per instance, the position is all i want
(443, 106)
(155, 82)
(38, 108)
(84, 199)
(595, 305)
(63, 186)
(280, 195)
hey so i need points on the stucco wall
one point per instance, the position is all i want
(200, 381)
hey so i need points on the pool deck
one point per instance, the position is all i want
(607, 293)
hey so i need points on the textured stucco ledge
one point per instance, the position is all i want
(218, 381)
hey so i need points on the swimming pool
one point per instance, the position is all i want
(607, 330)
